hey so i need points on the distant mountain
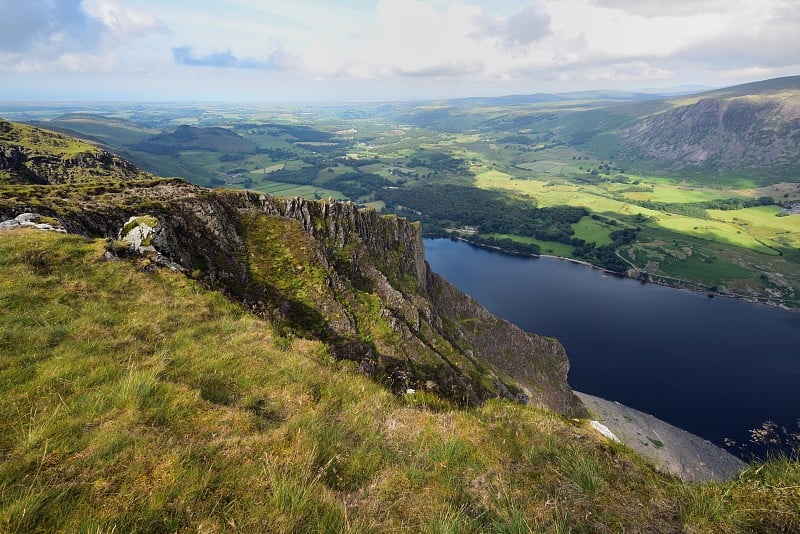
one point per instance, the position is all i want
(608, 95)
(754, 126)
(676, 90)
(195, 138)
(785, 83)
(507, 100)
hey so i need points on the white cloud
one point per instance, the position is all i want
(407, 37)
(124, 21)
(46, 28)
(536, 45)
(524, 27)
(69, 35)
(671, 8)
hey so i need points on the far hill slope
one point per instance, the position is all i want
(753, 132)
(30, 155)
(195, 138)
(750, 129)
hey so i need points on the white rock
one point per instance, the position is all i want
(603, 429)
(27, 217)
(27, 220)
(139, 233)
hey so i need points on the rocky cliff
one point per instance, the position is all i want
(352, 278)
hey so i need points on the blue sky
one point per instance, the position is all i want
(284, 50)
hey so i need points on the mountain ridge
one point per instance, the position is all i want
(420, 337)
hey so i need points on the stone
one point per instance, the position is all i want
(29, 220)
(139, 232)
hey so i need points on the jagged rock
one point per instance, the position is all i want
(30, 220)
(375, 300)
(138, 232)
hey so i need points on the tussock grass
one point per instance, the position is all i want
(141, 402)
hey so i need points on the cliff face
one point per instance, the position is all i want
(352, 278)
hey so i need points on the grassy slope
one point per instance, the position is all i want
(138, 401)
(52, 157)
(43, 142)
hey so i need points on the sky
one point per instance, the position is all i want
(322, 50)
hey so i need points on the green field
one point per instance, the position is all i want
(551, 248)
(594, 231)
(677, 194)
(533, 153)
(279, 189)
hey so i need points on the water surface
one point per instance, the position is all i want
(715, 367)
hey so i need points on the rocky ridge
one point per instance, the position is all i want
(327, 270)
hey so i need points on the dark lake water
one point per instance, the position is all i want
(715, 367)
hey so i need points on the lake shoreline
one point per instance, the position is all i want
(671, 449)
(724, 365)
(664, 280)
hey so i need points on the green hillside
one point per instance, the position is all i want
(30, 155)
(135, 400)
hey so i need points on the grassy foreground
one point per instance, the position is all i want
(133, 400)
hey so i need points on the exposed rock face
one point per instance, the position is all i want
(139, 232)
(671, 449)
(31, 220)
(351, 277)
(729, 134)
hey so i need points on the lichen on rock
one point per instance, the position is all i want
(138, 232)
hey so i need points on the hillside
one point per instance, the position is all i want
(329, 271)
(31, 155)
(193, 138)
(201, 360)
(137, 400)
(727, 134)
(750, 128)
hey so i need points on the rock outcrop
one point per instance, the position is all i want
(350, 277)
(672, 450)
(23, 160)
(32, 220)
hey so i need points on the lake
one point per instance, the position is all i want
(716, 367)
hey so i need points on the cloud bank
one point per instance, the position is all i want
(44, 27)
(410, 47)
(278, 59)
